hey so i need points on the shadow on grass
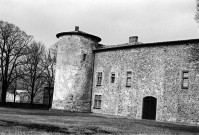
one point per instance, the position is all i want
(53, 129)
(172, 126)
(91, 129)
(26, 111)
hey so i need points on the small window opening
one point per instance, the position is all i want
(99, 78)
(185, 79)
(128, 78)
(112, 77)
(84, 57)
(71, 97)
(97, 102)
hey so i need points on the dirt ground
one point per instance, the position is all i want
(44, 122)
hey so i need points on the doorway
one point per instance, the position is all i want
(149, 108)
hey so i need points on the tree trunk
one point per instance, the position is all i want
(32, 97)
(15, 87)
(32, 93)
(49, 97)
(3, 94)
(14, 94)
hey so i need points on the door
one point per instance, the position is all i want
(149, 108)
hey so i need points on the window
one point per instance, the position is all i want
(99, 78)
(97, 103)
(112, 77)
(128, 79)
(71, 97)
(84, 57)
(185, 79)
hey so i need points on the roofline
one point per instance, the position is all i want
(147, 45)
(78, 33)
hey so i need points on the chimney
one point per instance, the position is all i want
(133, 39)
(76, 28)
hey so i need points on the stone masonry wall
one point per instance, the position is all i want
(73, 79)
(157, 72)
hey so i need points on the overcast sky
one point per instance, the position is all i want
(112, 20)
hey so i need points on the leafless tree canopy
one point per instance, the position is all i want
(49, 65)
(197, 11)
(13, 42)
(32, 72)
(24, 62)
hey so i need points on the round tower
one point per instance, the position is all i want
(74, 71)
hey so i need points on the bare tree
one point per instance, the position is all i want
(197, 11)
(33, 71)
(49, 66)
(16, 82)
(49, 71)
(13, 41)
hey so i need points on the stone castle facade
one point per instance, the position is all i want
(158, 81)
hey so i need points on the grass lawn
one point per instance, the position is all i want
(27, 121)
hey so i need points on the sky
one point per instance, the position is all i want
(114, 21)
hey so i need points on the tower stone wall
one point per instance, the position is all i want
(74, 71)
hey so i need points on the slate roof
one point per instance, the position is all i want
(81, 33)
(139, 44)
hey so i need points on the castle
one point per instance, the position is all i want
(157, 81)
